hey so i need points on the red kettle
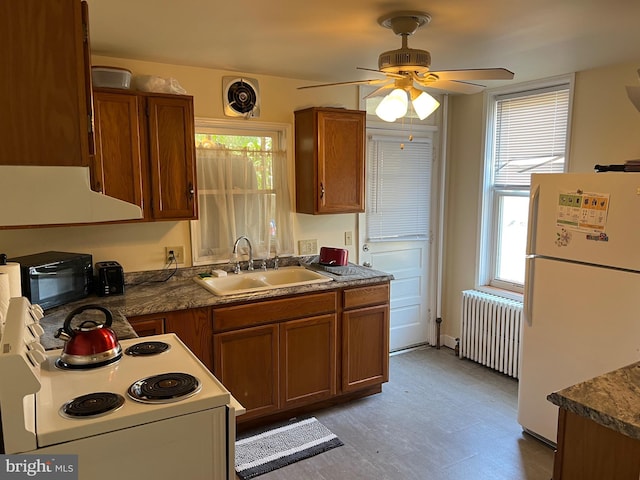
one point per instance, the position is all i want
(91, 344)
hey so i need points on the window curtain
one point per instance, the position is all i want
(242, 192)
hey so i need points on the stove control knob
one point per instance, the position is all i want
(36, 346)
(36, 330)
(36, 356)
(36, 312)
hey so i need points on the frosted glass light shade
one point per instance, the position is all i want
(424, 105)
(393, 106)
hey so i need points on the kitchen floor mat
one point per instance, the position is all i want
(278, 447)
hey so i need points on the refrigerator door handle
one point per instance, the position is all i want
(534, 201)
(527, 304)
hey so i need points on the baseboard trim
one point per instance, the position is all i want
(448, 341)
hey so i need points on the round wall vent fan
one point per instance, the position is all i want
(240, 97)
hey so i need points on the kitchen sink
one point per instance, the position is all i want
(259, 280)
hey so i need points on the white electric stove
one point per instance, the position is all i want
(156, 412)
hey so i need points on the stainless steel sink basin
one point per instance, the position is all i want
(259, 280)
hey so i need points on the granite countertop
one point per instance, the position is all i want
(155, 292)
(611, 400)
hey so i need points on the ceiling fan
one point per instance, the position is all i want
(406, 69)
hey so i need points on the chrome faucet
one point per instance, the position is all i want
(235, 253)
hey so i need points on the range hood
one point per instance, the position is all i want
(43, 195)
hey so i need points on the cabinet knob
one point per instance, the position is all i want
(321, 190)
(191, 191)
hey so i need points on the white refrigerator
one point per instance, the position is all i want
(582, 287)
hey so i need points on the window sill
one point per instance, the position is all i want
(499, 292)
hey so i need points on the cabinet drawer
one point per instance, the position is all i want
(239, 316)
(147, 325)
(363, 296)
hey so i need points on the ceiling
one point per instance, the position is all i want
(324, 41)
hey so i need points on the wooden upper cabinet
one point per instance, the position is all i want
(145, 152)
(330, 161)
(45, 92)
(120, 161)
(172, 156)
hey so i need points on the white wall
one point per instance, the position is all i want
(141, 246)
(605, 129)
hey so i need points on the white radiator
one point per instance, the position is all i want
(491, 331)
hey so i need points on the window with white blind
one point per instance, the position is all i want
(399, 179)
(527, 133)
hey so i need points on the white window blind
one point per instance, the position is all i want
(530, 135)
(399, 185)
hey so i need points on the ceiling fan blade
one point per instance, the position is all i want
(474, 74)
(453, 86)
(388, 74)
(354, 82)
(380, 90)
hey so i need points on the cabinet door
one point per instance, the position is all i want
(340, 162)
(246, 362)
(365, 347)
(45, 117)
(308, 360)
(120, 160)
(590, 451)
(329, 150)
(195, 329)
(172, 157)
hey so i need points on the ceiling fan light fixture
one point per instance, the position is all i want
(423, 103)
(393, 106)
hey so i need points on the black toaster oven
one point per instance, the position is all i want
(55, 278)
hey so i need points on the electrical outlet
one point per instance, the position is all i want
(348, 238)
(308, 247)
(178, 253)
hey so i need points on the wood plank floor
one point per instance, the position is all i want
(438, 418)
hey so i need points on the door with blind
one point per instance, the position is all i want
(396, 228)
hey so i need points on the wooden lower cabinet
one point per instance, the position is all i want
(365, 337)
(246, 362)
(365, 347)
(289, 353)
(307, 360)
(590, 451)
(194, 327)
(148, 325)
(278, 366)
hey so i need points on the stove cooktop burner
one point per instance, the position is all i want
(147, 348)
(92, 405)
(85, 366)
(164, 388)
